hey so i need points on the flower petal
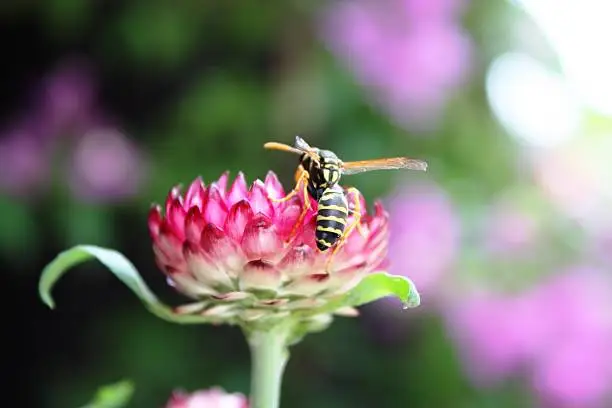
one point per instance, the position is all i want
(377, 254)
(194, 225)
(253, 314)
(174, 194)
(260, 240)
(176, 217)
(237, 219)
(221, 250)
(287, 219)
(234, 296)
(272, 303)
(195, 194)
(154, 221)
(345, 261)
(273, 186)
(298, 261)
(307, 303)
(307, 285)
(215, 209)
(352, 198)
(306, 231)
(186, 284)
(205, 270)
(221, 311)
(345, 279)
(168, 243)
(380, 219)
(258, 198)
(238, 191)
(191, 308)
(260, 275)
(222, 183)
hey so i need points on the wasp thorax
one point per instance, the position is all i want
(329, 168)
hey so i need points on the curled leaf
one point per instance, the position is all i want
(381, 284)
(373, 287)
(121, 267)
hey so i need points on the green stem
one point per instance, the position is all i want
(269, 355)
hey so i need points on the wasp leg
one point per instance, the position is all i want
(359, 227)
(356, 224)
(301, 176)
(302, 215)
(356, 211)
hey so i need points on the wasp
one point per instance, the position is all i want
(318, 176)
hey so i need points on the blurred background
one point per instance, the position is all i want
(105, 105)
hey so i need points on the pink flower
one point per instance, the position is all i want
(557, 334)
(425, 235)
(511, 230)
(576, 374)
(24, 162)
(411, 54)
(232, 249)
(68, 98)
(498, 335)
(212, 398)
(106, 166)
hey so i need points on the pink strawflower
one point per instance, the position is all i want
(212, 398)
(226, 246)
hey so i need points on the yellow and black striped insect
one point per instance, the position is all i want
(318, 175)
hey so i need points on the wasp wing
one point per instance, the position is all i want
(302, 145)
(391, 163)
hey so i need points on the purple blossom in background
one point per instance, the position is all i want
(23, 161)
(106, 166)
(496, 335)
(411, 54)
(558, 335)
(424, 236)
(67, 100)
(600, 244)
(424, 241)
(511, 229)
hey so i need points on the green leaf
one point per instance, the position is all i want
(382, 284)
(121, 267)
(112, 396)
(373, 287)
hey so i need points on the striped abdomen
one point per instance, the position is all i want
(331, 217)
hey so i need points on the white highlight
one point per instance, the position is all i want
(532, 102)
(580, 32)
